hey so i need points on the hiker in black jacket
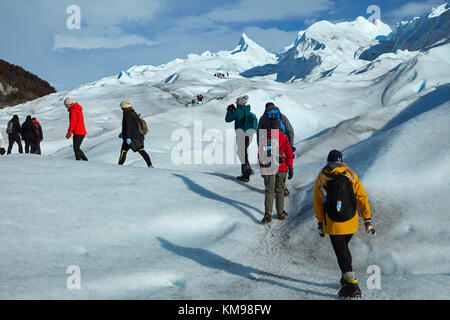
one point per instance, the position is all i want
(14, 132)
(132, 138)
(28, 134)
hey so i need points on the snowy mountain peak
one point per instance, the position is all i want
(245, 43)
(437, 11)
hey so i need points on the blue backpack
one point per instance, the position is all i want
(275, 114)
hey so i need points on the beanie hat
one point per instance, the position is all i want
(334, 156)
(242, 101)
(125, 104)
(68, 102)
(269, 105)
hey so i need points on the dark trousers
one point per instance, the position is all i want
(36, 147)
(28, 145)
(142, 152)
(340, 247)
(77, 141)
(12, 139)
(242, 148)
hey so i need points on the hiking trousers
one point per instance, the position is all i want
(77, 141)
(243, 142)
(12, 139)
(28, 145)
(343, 255)
(274, 185)
(142, 152)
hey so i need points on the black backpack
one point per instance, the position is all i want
(269, 156)
(340, 204)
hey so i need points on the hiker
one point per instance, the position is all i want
(76, 127)
(2, 145)
(14, 132)
(132, 137)
(200, 98)
(276, 160)
(338, 194)
(245, 124)
(271, 111)
(37, 137)
(28, 134)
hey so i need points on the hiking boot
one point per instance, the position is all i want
(282, 215)
(267, 218)
(243, 178)
(342, 281)
(350, 289)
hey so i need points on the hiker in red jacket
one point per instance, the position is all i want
(276, 160)
(38, 136)
(76, 127)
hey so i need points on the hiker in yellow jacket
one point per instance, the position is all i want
(336, 200)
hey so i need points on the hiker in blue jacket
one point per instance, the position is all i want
(245, 124)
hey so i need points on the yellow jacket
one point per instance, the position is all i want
(334, 227)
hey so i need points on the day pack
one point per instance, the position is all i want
(9, 129)
(340, 200)
(142, 126)
(269, 155)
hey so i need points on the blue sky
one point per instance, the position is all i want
(117, 34)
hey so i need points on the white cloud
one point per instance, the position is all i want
(100, 24)
(103, 14)
(269, 10)
(93, 42)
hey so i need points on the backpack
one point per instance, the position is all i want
(142, 125)
(9, 129)
(250, 121)
(268, 156)
(340, 200)
(275, 114)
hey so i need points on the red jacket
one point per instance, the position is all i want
(285, 150)
(76, 120)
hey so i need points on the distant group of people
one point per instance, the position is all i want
(221, 75)
(338, 192)
(30, 132)
(133, 132)
(134, 129)
(198, 100)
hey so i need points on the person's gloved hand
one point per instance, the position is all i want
(369, 227)
(231, 107)
(68, 135)
(120, 135)
(320, 229)
(128, 141)
(2, 151)
(291, 173)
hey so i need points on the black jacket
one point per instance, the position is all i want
(16, 130)
(130, 128)
(28, 130)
